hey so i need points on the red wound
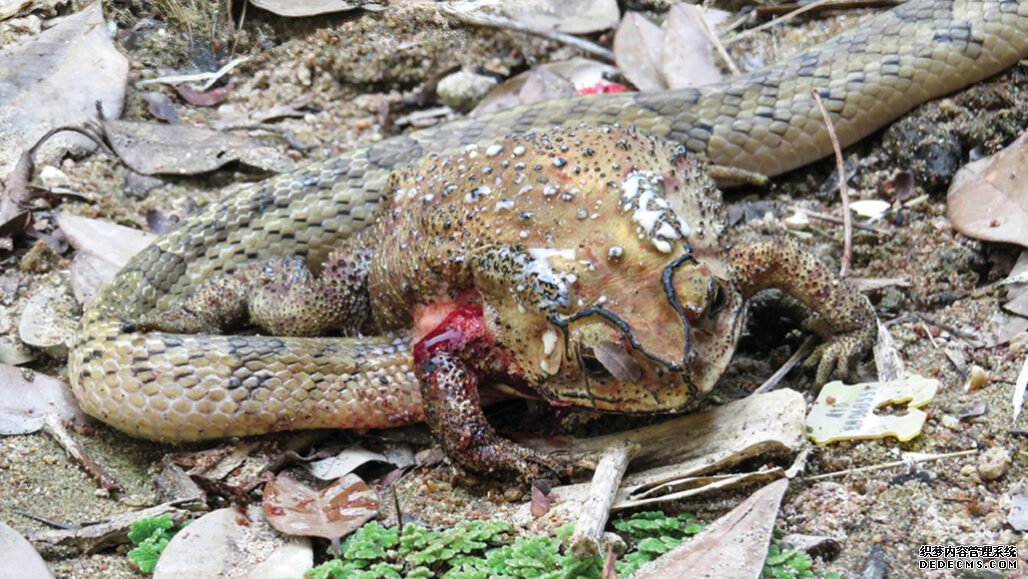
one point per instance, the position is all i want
(463, 327)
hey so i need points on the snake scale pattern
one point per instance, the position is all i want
(187, 387)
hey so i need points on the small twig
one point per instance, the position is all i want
(210, 77)
(239, 28)
(886, 465)
(839, 5)
(285, 134)
(802, 352)
(16, 191)
(928, 333)
(840, 221)
(780, 20)
(716, 42)
(52, 425)
(944, 326)
(840, 166)
(50, 522)
(596, 510)
(495, 21)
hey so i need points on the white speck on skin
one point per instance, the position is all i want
(549, 342)
(518, 151)
(667, 231)
(523, 234)
(504, 205)
(477, 193)
(662, 245)
(494, 150)
(651, 211)
(615, 251)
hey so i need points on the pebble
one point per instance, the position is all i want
(977, 378)
(462, 90)
(951, 422)
(993, 463)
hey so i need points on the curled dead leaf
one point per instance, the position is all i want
(74, 63)
(151, 149)
(335, 511)
(637, 51)
(989, 198)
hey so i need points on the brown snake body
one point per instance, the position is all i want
(185, 387)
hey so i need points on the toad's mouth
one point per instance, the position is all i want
(633, 337)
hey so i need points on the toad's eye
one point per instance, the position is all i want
(607, 359)
(716, 299)
(591, 364)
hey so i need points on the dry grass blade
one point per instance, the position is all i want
(886, 465)
(847, 219)
(802, 352)
(718, 46)
(818, 5)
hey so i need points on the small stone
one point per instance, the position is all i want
(797, 221)
(993, 463)
(31, 24)
(51, 177)
(977, 378)
(462, 90)
(951, 422)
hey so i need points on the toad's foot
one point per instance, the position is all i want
(838, 356)
(845, 317)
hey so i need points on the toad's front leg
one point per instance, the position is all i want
(450, 362)
(847, 320)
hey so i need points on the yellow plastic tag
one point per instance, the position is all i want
(844, 412)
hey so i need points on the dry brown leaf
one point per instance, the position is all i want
(20, 558)
(230, 543)
(549, 81)
(103, 249)
(49, 321)
(54, 80)
(161, 107)
(26, 397)
(637, 51)
(542, 499)
(151, 149)
(343, 463)
(570, 16)
(1017, 286)
(687, 54)
(301, 8)
(336, 511)
(203, 99)
(1018, 517)
(733, 546)
(9, 8)
(989, 198)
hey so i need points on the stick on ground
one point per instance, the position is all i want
(52, 425)
(596, 510)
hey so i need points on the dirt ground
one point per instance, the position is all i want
(352, 76)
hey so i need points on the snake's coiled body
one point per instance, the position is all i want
(184, 387)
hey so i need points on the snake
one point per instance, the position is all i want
(175, 387)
